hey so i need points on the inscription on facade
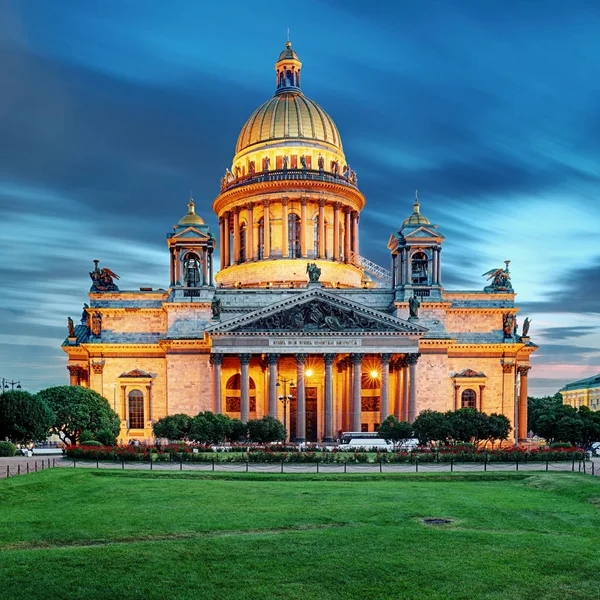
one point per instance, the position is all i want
(314, 343)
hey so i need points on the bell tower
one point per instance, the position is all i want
(416, 250)
(191, 247)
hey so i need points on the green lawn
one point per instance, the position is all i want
(112, 534)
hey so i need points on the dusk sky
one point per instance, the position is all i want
(111, 112)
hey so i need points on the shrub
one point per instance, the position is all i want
(7, 449)
(93, 443)
(24, 417)
(86, 436)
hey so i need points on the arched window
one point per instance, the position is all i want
(468, 399)
(370, 392)
(243, 236)
(419, 268)
(136, 410)
(233, 394)
(191, 270)
(293, 235)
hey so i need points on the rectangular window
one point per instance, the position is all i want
(279, 162)
(294, 161)
(136, 410)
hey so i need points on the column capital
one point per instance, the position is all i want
(216, 359)
(385, 358)
(304, 200)
(347, 210)
(235, 210)
(329, 359)
(74, 369)
(285, 200)
(413, 358)
(300, 358)
(354, 214)
(401, 362)
(266, 202)
(523, 370)
(356, 359)
(221, 221)
(249, 205)
(322, 202)
(98, 367)
(273, 359)
(245, 359)
(337, 205)
(507, 367)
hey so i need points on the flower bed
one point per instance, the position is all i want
(289, 454)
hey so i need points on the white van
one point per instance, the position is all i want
(369, 444)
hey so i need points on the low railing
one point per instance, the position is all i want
(288, 175)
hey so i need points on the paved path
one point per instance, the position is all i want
(20, 465)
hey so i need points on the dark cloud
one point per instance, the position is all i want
(565, 333)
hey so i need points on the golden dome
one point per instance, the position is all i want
(416, 218)
(191, 218)
(289, 115)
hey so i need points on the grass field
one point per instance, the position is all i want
(113, 534)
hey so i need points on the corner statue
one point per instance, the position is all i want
(413, 307)
(71, 327)
(215, 306)
(313, 272)
(102, 280)
(500, 280)
(526, 324)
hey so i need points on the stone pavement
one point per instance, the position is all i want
(19, 465)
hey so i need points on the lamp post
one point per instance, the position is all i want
(285, 398)
(6, 383)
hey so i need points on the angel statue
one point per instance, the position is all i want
(413, 307)
(526, 324)
(102, 279)
(500, 279)
(313, 272)
(71, 327)
(508, 324)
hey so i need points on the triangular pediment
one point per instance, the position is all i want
(320, 312)
(137, 373)
(424, 232)
(191, 232)
(467, 373)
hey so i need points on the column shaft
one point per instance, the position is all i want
(273, 360)
(245, 387)
(385, 388)
(412, 363)
(523, 370)
(405, 393)
(222, 241)
(336, 231)
(321, 228)
(328, 359)
(347, 234)
(284, 228)
(398, 412)
(226, 241)
(236, 235)
(300, 400)
(266, 229)
(250, 232)
(355, 235)
(357, 401)
(216, 360)
(303, 227)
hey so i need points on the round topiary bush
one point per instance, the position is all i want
(7, 449)
(92, 443)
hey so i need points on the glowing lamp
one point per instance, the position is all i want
(308, 372)
(374, 374)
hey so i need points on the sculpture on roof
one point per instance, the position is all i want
(321, 162)
(102, 279)
(313, 272)
(84, 315)
(285, 161)
(526, 324)
(303, 161)
(71, 327)
(500, 279)
(215, 306)
(96, 324)
(413, 307)
(508, 324)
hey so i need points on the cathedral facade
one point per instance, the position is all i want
(293, 323)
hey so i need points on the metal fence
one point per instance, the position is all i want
(33, 466)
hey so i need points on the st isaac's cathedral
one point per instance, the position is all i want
(294, 310)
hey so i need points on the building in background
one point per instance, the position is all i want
(295, 309)
(585, 392)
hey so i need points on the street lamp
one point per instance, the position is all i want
(286, 398)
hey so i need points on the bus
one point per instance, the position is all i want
(358, 435)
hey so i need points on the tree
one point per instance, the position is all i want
(173, 427)
(24, 417)
(394, 431)
(560, 423)
(498, 428)
(237, 431)
(539, 406)
(76, 409)
(266, 430)
(468, 425)
(590, 427)
(431, 426)
(210, 428)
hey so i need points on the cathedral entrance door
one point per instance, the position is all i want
(310, 394)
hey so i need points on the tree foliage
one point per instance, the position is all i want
(210, 428)
(467, 425)
(394, 431)
(266, 430)
(24, 417)
(77, 409)
(173, 427)
(536, 407)
(564, 423)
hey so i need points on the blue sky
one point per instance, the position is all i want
(111, 112)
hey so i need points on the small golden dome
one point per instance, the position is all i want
(191, 218)
(290, 115)
(416, 218)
